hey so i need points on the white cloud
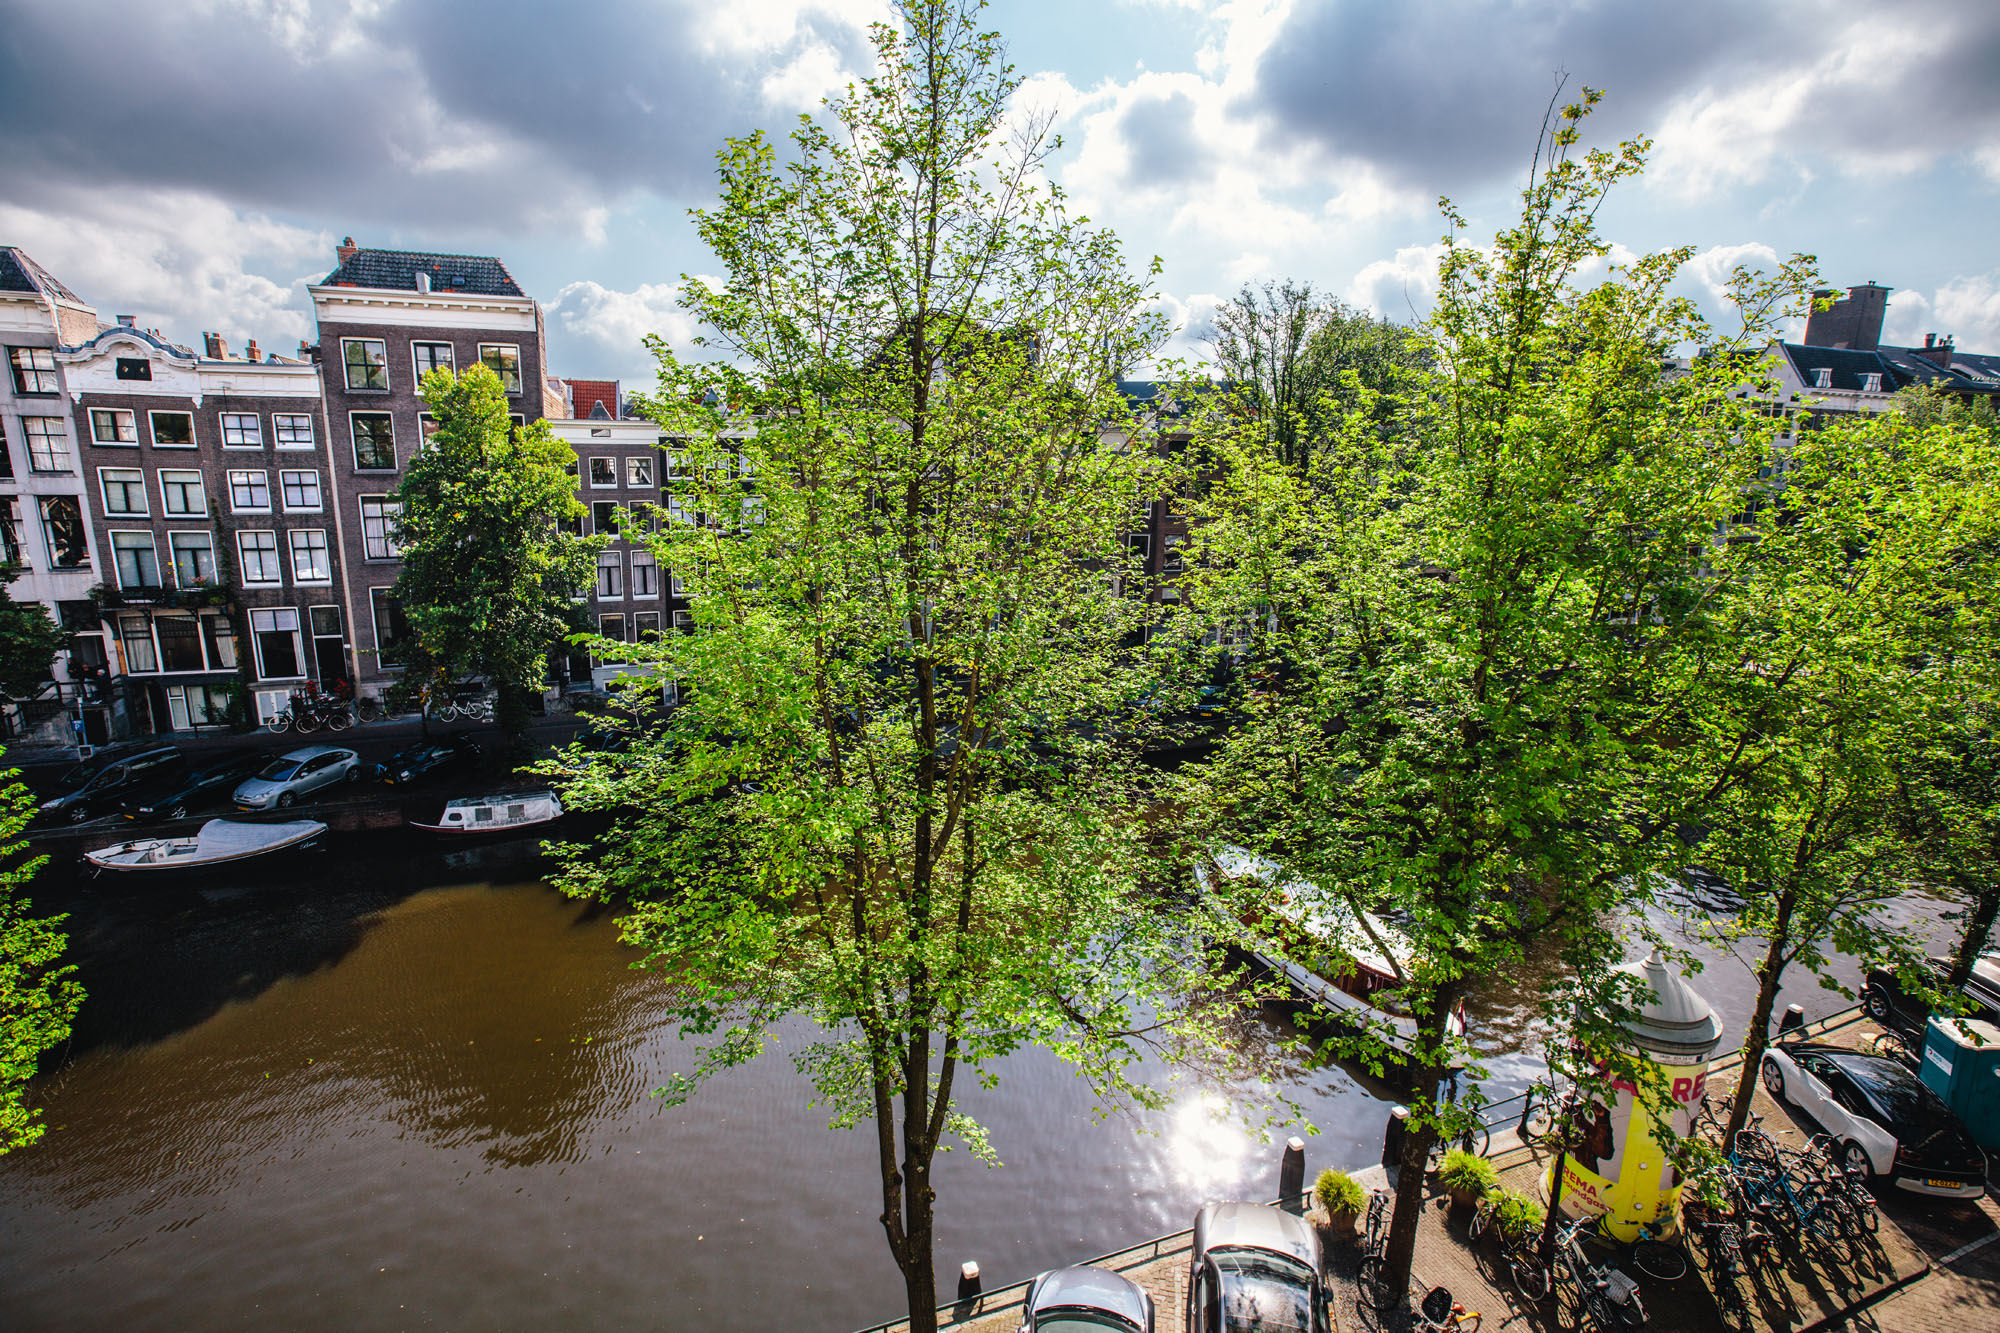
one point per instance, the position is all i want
(1965, 309)
(617, 324)
(1400, 288)
(1712, 267)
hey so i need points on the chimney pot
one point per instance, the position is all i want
(251, 351)
(347, 249)
(423, 281)
(213, 345)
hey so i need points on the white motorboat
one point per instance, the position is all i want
(220, 842)
(496, 814)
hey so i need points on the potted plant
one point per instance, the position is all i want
(1516, 1215)
(1466, 1178)
(1341, 1197)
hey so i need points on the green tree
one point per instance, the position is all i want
(29, 641)
(891, 801)
(491, 563)
(1493, 611)
(39, 994)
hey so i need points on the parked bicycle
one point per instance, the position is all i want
(310, 709)
(1439, 1313)
(1605, 1295)
(1369, 1277)
(1519, 1252)
(1723, 1244)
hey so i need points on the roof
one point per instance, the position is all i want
(19, 273)
(151, 337)
(1847, 367)
(585, 393)
(396, 270)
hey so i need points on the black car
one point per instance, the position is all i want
(98, 786)
(1890, 1005)
(447, 754)
(178, 795)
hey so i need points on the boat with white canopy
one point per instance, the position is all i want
(496, 814)
(220, 842)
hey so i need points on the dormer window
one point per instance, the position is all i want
(1823, 378)
(1872, 382)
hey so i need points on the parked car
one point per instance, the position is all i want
(183, 792)
(96, 787)
(285, 779)
(1086, 1300)
(430, 759)
(1255, 1267)
(1890, 1005)
(1887, 1123)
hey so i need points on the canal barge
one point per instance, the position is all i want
(1341, 961)
(505, 813)
(220, 842)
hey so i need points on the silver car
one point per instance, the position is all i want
(1256, 1267)
(1086, 1300)
(285, 779)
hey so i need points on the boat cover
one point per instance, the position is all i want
(219, 840)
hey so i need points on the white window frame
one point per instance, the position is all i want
(174, 550)
(285, 484)
(285, 424)
(375, 626)
(325, 552)
(40, 361)
(243, 559)
(520, 384)
(181, 484)
(653, 616)
(255, 435)
(390, 512)
(55, 441)
(122, 419)
(612, 562)
(611, 465)
(145, 509)
(1822, 377)
(638, 472)
(347, 366)
(643, 560)
(152, 545)
(417, 370)
(1871, 381)
(257, 643)
(262, 482)
(153, 429)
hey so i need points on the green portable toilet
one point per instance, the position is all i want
(1962, 1065)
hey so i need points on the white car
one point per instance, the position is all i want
(1887, 1123)
(285, 779)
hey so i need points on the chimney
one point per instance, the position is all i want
(251, 352)
(423, 281)
(1853, 321)
(216, 349)
(1936, 350)
(128, 321)
(306, 350)
(346, 250)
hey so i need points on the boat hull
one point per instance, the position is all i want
(221, 845)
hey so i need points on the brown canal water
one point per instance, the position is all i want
(371, 1097)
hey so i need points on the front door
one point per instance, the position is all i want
(329, 654)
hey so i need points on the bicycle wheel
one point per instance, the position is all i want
(1481, 1216)
(445, 712)
(280, 723)
(1373, 1285)
(305, 724)
(338, 720)
(1895, 1046)
(1538, 1122)
(1529, 1277)
(1658, 1259)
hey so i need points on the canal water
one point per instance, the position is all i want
(403, 1093)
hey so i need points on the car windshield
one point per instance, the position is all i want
(77, 776)
(1913, 1109)
(1079, 1321)
(1264, 1293)
(279, 769)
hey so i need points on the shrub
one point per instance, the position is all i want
(1338, 1192)
(1516, 1213)
(1464, 1171)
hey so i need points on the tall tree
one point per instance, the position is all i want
(29, 641)
(491, 564)
(1494, 609)
(39, 994)
(891, 802)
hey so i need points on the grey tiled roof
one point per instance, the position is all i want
(1848, 367)
(18, 273)
(396, 270)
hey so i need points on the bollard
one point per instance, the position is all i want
(1392, 1138)
(1793, 1021)
(968, 1280)
(1292, 1173)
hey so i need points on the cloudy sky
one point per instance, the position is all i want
(196, 163)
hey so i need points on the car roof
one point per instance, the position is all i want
(312, 751)
(1260, 1226)
(1868, 1066)
(1092, 1289)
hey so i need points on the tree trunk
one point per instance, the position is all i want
(1769, 974)
(1402, 1245)
(920, 1274)
(1973, 942)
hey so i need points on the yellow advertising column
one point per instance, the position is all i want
(1617, 1164)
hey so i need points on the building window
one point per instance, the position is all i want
(378, 527)
(6, 453)
(259, 552)
(683, 622)
(1871, 382)
(610, 577)
(753, 511)
(181, 492)
(292, 430)
(374, 442)
(250, 492)
(645, 575)
(179, 638)
(603, 473)
(604, 517)
(275, 635)
(171, 430)
(11, 550)
(124, 491)
(48, 444)
(241, 431)
(191, 706)
(310, 563)
(639, 472)
(138, 641)
(62, 525)
(613, 628)
(113, 425)
(134, 368)
(136, 559)
(194, 558)
(427, 426)
(34, 369)
(301, 491)
(504, 360)
(1823, 377)
(431, 356)
(646, 627)
(676, 510)
(391, 630)
(367, 361)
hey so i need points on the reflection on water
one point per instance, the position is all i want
(358, 1102)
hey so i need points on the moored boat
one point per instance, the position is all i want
(502, 813)
(220, 842)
